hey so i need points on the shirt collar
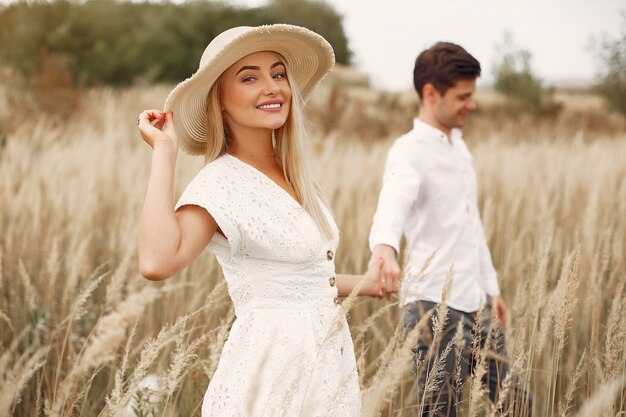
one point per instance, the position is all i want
(436, 134)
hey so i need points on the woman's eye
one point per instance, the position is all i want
(280, 75)
(248, 79)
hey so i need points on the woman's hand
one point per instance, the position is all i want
(390, 273)
(373, 285)
(156, 126)
(370, 283)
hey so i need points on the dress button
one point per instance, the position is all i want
(329, 255)
(332, 281)
(336, 300)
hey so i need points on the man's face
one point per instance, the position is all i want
(451, 109)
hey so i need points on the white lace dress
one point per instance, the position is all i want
(289, 352)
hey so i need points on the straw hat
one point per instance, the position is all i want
(309, 58)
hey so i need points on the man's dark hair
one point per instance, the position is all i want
(442, 65)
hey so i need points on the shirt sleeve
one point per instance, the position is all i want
(400, 187)
(488, 275)
(209, 189)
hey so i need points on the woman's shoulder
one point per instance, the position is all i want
(216, 181)
(217, 165)
(214, 174)
(220, 168)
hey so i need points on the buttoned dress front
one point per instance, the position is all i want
(289, 352)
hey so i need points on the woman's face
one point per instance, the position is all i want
(255, 93)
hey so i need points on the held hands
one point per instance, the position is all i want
(383, 273)
(156, 126)
(372, 285)
(390, 270)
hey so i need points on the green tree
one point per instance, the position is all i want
(611, 54)
(515, 78)
(317, 16)
(117, 42)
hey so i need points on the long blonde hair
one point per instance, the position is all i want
(290, 147)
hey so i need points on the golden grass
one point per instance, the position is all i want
(80, 328)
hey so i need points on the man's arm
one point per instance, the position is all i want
(489, 280)
(400, 187)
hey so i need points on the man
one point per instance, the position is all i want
(429, 195)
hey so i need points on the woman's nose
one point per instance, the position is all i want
(271, 87)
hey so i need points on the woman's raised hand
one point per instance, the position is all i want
(157, 126)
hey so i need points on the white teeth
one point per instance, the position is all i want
(270, 106)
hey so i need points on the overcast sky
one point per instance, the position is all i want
(387, 35)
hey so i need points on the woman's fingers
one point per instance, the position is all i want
(382, 281)
(151, 118)
(378, 265)
(374, 276)
(155, 125)
(158, 123)
(150, 115)
(387, 272)
(396, 281)
(168, 125)
(391, 275)
(390, 285)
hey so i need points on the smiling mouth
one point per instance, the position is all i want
(270, 106)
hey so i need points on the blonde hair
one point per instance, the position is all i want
(290, 147)
(216, 143)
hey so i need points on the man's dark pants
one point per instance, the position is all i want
(458, 368)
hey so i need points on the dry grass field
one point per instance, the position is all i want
(80, 329)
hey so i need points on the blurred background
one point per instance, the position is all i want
(531, 53)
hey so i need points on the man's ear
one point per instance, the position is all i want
(429, 92)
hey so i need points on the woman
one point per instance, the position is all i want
(256, 207)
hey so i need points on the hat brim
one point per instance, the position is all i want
(309, 58)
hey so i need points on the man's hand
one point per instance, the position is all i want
(498, 306)
(390, 272)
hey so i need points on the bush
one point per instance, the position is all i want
(611, 54)
(317, 16)
(516, 80)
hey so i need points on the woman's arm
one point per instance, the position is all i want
(371, 282)
(168, 241)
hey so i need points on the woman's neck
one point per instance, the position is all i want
(252, 143)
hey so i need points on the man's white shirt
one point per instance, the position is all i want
(429, 194)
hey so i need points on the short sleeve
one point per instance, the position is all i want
(211, 190)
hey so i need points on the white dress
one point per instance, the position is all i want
(289, 352)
